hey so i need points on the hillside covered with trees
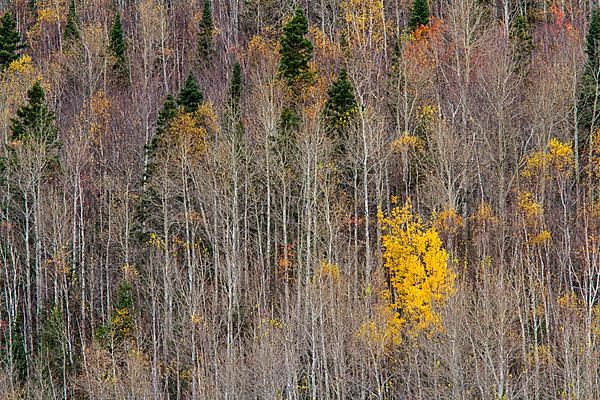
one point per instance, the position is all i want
(277, 199)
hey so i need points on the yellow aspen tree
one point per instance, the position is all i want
(417, 267)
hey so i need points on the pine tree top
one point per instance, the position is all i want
(419, 14)
(166, 114)
(72, 31)
(207, 19)
(235, 87)
(341, 104)
(118, 47)
(593, 40)
(34, 120)
(10, 40)
(295, 49)
(205, 36)
(190, 96)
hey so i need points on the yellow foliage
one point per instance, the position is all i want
(365, 22)
(529, 206)
(188, 132)
(22, 66)
(542, 237)
(407, 142)
(383, 332)
(595, 156)
(448, 222)
(329, 271)
(557, 159)
(418, 268)
(155, 241)
(570, 301)
(485, 214)
(196, 319)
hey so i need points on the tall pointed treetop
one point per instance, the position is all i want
(419, 14)
(72, 29)
(190, 95)
(10, 40)
(118, 47)
(295, 49)
(205, 35)
(34, 120)
(341, 104)
(235, 86)
(593, 41)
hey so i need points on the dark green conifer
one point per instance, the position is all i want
(190, 96)
(235, 86)
(118, 48)
(10, 40)
(419, 14)
(588, 107)
(592, 48)
(53, 345)
(205, 35)
(72, 32)
(119, 330)
(340, 109)
(522, 40)
(296, 50)
(341, 105)
(34, 121)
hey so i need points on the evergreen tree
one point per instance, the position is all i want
(53, 345)
(166, 115)
(522, 40)
(72, 31)
(419, 14)
(190, 96)
(205, 36)
(235, 86)
(593, 42)
(34, 121)
(120, 328)
(588, 103)
(12, 349)
(164, 118)
(10, 40)
(341, 105)
(296, 50)
(118, 48)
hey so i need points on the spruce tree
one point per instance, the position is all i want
(235, 86)
(588, 103)
(119, 330)
(296, 50)
(205, 36)
(10, 40)
(341, 104)
(166, 115)
(118, 48)
(593, 42)
(419, 14)
(190, 96)
(340, 109)
(34, 121)
(72, 32)
(522, 40)
(53, 345)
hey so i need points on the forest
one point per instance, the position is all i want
(299, 200)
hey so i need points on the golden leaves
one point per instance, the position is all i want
(365, 22)
(557, 160)
(418, 268)
(531, 208)
(407, 142)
